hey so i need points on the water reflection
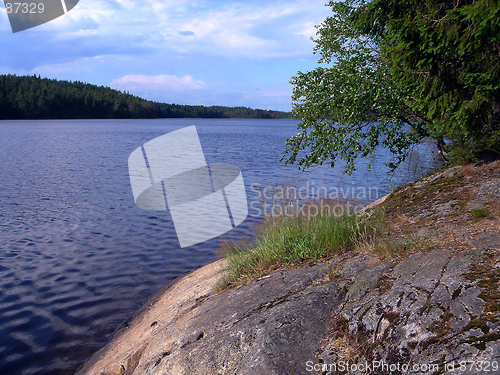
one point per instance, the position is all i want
(77, 256)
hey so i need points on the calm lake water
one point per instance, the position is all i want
(77, 257)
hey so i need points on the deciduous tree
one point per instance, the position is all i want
(394, 72)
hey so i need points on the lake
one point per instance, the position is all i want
(77, 256)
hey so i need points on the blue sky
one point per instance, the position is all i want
(233, 53)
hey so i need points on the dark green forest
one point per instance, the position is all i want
(32, 97)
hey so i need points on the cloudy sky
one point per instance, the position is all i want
(233, 53)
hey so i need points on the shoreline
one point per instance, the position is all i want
(166, 303)
(211, 271)
(276, 323)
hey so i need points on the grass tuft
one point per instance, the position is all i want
(296, 238)
(479, 213)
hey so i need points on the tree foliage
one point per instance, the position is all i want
(447, 54)
(31, 97)
(394, 72)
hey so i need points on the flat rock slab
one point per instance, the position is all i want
(423, 309)
(427, 312)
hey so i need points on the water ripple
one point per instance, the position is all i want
(77, 257)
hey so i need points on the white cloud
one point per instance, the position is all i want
(256, 30)
(160, 82)
(249, 29)
(231, 47)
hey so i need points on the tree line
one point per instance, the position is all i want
(33, 97)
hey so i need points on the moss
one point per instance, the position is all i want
(487, 277)
(450, 180)
(334, 273)
(439, 328)
(479, 213)
(392, 317)
(477, 324)
(480, 342)
(404, 246)
(422, 195)
(384, 284)
(456, 293)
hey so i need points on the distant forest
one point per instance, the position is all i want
(32, 97)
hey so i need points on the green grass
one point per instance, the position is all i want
(294, 239)
(479, 212)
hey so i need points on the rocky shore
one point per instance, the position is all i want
(421, 299)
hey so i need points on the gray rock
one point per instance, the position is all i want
(425, 309)
(489, 191)
(486, 240)
(469, 298)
